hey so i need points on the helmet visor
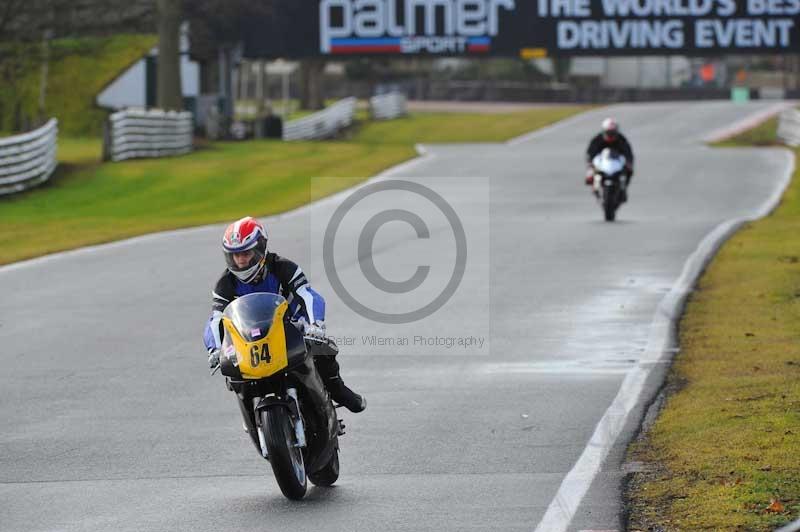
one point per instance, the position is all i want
(245, 264)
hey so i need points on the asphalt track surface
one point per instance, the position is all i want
(111, 421)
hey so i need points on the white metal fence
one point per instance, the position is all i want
(789, 127)
(324, 124)
(28, 160)
(388, 106)
(136, 133)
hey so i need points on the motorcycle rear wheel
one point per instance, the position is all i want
(328, 474)
(285, 458)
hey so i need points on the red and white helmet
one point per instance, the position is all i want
(243, 235)
(610, 128)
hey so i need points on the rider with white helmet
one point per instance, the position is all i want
(610, 137)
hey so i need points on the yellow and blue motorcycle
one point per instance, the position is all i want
(287, 411)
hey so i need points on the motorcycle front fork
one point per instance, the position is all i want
(297, 422)
(299, 427)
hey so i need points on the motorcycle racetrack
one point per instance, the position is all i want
(112, 421)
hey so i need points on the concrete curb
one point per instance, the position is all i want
(660, 350)
(746, 123)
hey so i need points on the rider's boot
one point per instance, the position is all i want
(328, 368)
(343, 395)
(624, 197)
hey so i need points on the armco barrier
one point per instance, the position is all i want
(789, 127)
(324, 124)
(388, 106)
(28, 160)
(135, 133)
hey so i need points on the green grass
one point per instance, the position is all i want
(462, 127)
(80, 69)
(87, 202)
(765, 134)
(91, 203)
(726, 445)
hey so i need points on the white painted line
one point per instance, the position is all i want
(791, 527)
(660, 348)
(424, 156)
(747, 122)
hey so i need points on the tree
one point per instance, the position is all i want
(561, 68)
(169, 92)
(223, 24)
(28, 26)
(311, 94)
(220, 23)
(216, 29)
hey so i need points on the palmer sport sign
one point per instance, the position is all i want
(410, 26)
(531, 28)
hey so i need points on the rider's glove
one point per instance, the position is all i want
(213, 358)
(589, 179)
(315, 330)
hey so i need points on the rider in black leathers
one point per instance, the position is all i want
(610, 137)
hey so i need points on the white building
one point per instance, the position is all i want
(619, 72)
(130, 88)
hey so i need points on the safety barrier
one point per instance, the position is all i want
(136, 133)
(388, 106)
(324, 124)
(28, 160)
(789, 127)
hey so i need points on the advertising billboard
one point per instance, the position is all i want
(531, 28)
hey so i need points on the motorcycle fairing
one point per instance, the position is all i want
(261, 357)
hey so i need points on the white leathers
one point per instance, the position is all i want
(305, 292)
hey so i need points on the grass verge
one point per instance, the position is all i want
(764, 134)
(723, 453)
(88, 203)
(79, 70)
(462, 127)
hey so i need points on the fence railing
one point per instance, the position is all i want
(324, 124)
(136, 133)
(28, 160)
(388, 106)
(789, 127)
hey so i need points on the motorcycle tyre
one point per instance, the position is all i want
(280, 440)
(328, 474)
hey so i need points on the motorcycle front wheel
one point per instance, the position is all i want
(609, 205)
(610, 212)
(286, 459)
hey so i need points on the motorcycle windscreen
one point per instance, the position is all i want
(252, 315)
(254, 345)
(609, 162)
